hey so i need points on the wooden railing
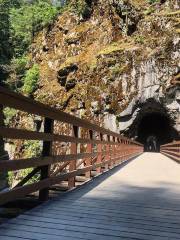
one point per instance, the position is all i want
(104, 149)
(171, 150)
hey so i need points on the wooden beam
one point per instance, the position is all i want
(18, 164)
(47, 151)
(12, 133)
(20, 102)
(72, 165)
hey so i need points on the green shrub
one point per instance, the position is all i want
(20, 175)
(28, 19)
(19, 65)
(31, 80)
(9, 113)
(32, 148)
(10, 178)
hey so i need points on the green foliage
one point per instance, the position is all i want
(9, 113)
(32, 148)
(27, 20)
(10, 178)
(20, 20)
(20, 175)
(5, 49)
(31, 80)
(19, 65)
(23, 173)
(4, 32)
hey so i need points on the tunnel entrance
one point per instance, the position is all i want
(152, 126)
(154, 129)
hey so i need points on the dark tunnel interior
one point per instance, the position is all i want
(155, 129)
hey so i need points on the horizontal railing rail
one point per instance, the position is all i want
(102, 148)
(171, 150)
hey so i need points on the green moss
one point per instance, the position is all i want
(93, 64)
(139, 39)
(116, 70)
(115, 47)
(149, 11)
(69, 61)
(110, 48)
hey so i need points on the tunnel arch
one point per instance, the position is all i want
(153, 126)
(154, 129)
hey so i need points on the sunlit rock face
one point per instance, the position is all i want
(153, 80)
(106, 61)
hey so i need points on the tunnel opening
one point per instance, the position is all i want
(153, 126)
(154, 129)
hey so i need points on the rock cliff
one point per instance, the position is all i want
(112, 61)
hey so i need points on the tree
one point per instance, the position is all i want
(5, 50)
(27, 20)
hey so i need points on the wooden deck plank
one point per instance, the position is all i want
(77, 221)
(139, 201)
(120, 210)
(105, 219)
(107, 229)
(115, 216)
(89, 233)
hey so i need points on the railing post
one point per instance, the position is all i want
(122, 150)
(47, 151)
(114, 151)
(89, 150)
(108, 157)
(3, 154)
(128, 150)
(111, 152)
(99, 149)
(119, 150)
(72, 165)
(125, 150)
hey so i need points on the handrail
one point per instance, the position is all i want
(171, 150)
(20, 102)
(104, 149)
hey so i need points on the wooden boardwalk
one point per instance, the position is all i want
(138, 200)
